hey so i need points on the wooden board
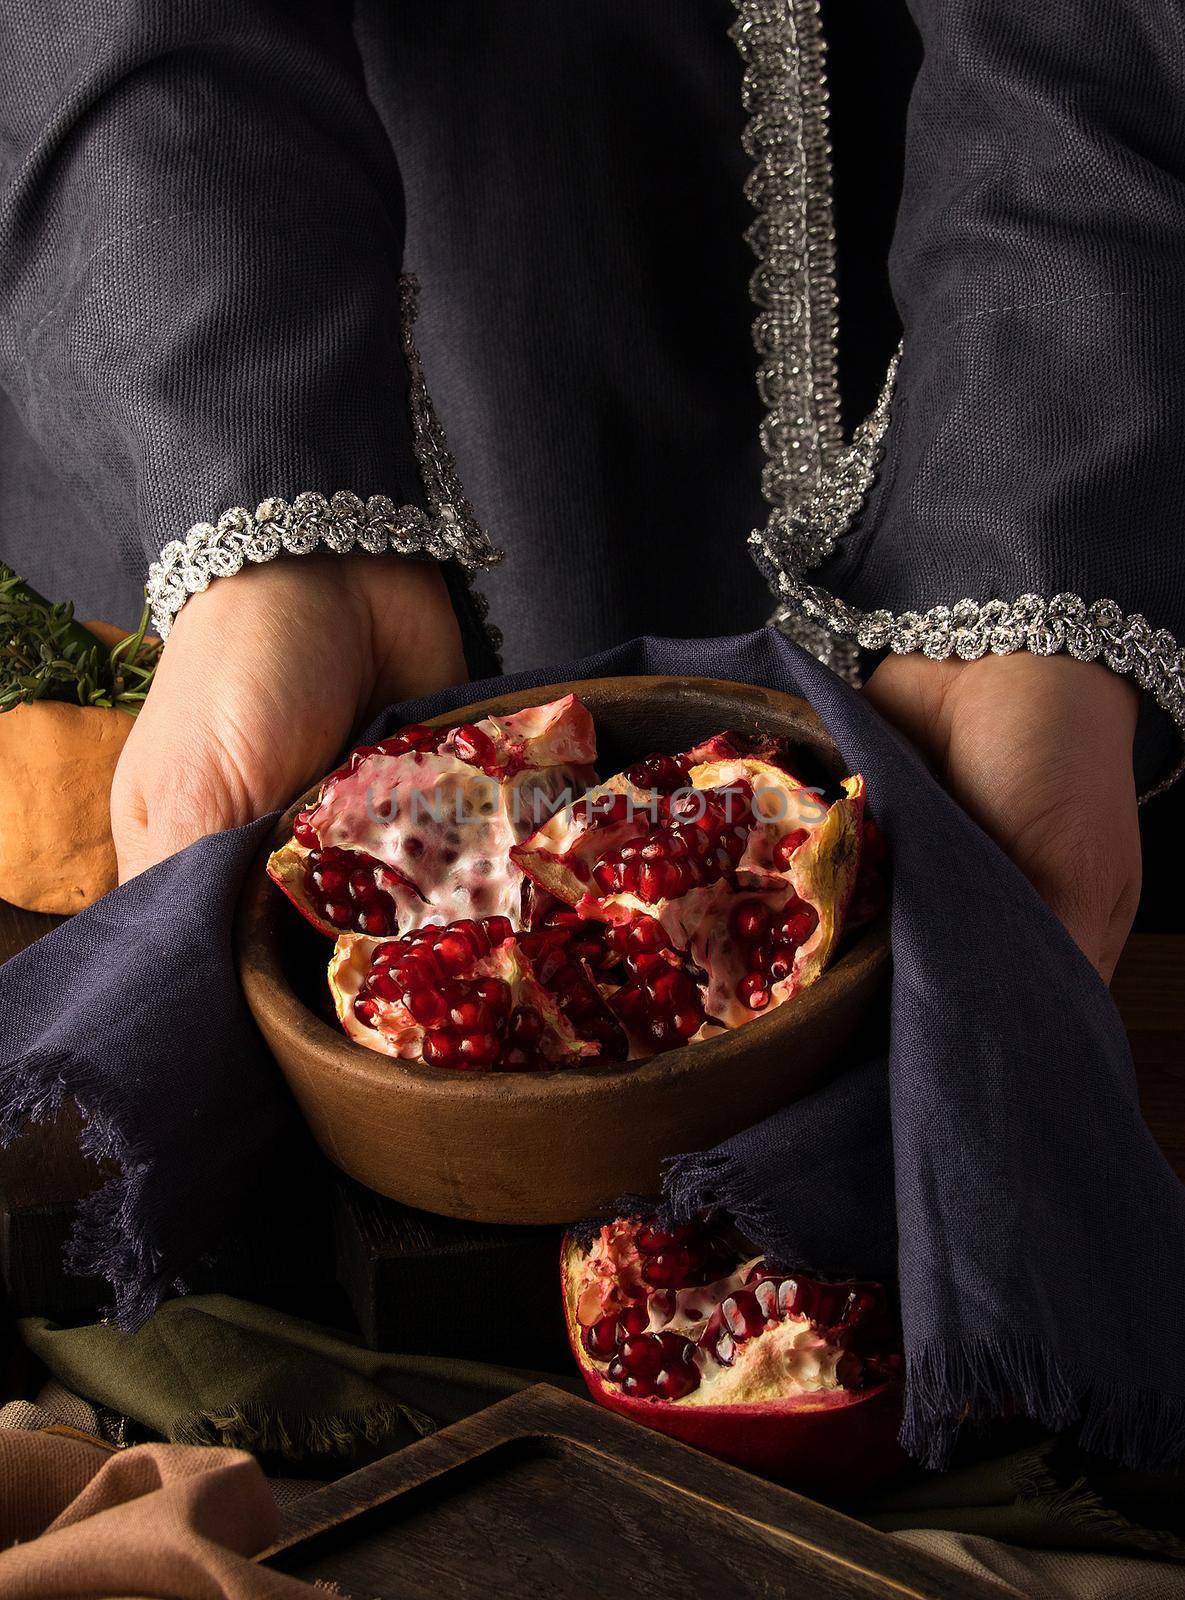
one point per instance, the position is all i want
(547, 1496)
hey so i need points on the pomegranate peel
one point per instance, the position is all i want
(420, 827)
(777, 1372)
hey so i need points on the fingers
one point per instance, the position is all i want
(1039, 751)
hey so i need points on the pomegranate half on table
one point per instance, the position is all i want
(780, 1372)
(495, 908)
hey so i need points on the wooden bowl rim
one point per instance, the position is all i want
(269, 992)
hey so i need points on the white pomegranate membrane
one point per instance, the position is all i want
(675, 1316)
(493, 911)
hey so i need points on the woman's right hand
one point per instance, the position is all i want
(261, 682)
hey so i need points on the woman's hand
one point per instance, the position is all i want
(1039, 751)
(263, 678)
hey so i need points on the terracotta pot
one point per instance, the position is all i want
(56, 766)
(551, 1147)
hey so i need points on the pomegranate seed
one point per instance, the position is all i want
(742, 1315)
(787, 845)
(725, 1349)
(646, 934)
(669, 1269)
(790, 1300)
(864, 1302)
(526, 1025)
(362, 884)
(749, 921)
(658, 773)
(496, 994)
(766, 1295)
(426, 1006)
(479, 1049)
(474, 1016)
(603, 808)
(752, 992)
(474, 745)
(600, 1339)
(637, 1388)
(643, 1355)
(331, 881)
(650, 1239)
(339, 913)
(633, 1319)
(453, 952)
(366, 1011)
(303, 831)
(498, 930)
(440, 1048)
(374, 922)
(798, 926)
(673, 1383)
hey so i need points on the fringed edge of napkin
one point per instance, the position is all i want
(972, 1380)
(107, 1241)
(265, 1431)
(985, 1377)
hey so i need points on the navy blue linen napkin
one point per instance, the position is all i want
(999, 1153)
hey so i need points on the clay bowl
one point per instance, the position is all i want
(552, 1148)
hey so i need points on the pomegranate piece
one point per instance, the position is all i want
(683, 896)
(783, 1373)
(474, 996)
(419, 828)
(746, 872)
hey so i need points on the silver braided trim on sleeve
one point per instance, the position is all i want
(311, 522)
(784, 94)
(795, 541)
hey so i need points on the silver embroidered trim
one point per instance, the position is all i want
(841, 655)
(969, 629)
(798, 537)
(816, 486)
(443, 489)
(793, 237)
(311, 522)
(448, 531)
(794, 541)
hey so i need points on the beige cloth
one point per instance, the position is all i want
(1052, 1574)
(174, 1522)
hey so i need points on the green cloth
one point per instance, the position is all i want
(1047, 1496)
(209, 1369)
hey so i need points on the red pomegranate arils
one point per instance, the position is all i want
(673, 902)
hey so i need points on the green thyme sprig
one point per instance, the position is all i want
(46, 655)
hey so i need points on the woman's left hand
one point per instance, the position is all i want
(1038, 749)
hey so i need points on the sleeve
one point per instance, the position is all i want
(1021, 484)
(201, 316)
